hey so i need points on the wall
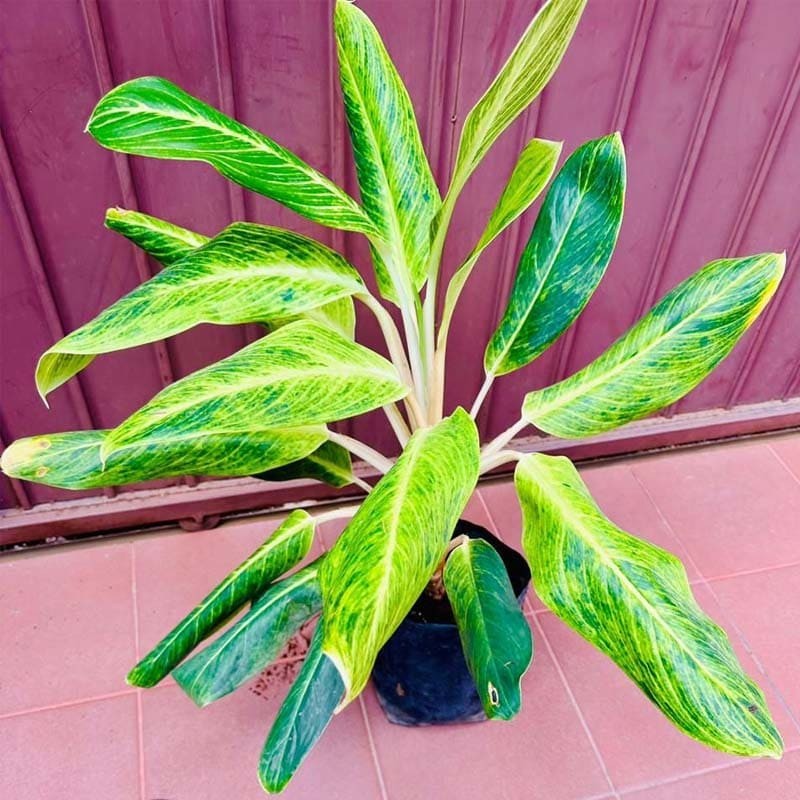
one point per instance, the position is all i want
(704, 92)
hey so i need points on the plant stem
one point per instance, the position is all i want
(429, 306)
(398, 423)
(344, 512)
(362, 484)
(499, 442)
(363, 451)
(490, 462)
(484, 390)
(398, 355)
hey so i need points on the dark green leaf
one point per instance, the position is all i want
(494, 633)
(253, 641)
(566, 255)
(302, 718)
(284, 548)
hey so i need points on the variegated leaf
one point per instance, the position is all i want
(566, 256)
(397, 187)
(494, 633)
(302, 374)
(665, 355)
(285, 548)
(520, 80)
(165, 242)
(152, 117)
(72, 460)
(530, 175)
(302, 718)
(253, 641)
(248, 273)
(386, 555)
(329, 463)
(169, 243)
(632, 600)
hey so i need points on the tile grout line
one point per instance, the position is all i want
(777, 455)
(373, 750)
(136, 646)
(729, 618)
(755, 571)
(742, 762)
(67, 704)
(584, 724)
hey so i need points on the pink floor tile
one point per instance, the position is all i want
(733, 508)
(765, 607)
(213, 753)
(79, 752)
(638, 744)
(68, 630)
(542, 753)
(764, 779)
(787, 449)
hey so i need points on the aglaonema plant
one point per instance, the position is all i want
(266, 409)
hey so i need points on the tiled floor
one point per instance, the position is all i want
(75, 618)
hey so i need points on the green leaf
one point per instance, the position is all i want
(382, 561)
(565, 258)
(329, 463)
(397, 187)
(152, 117)
(248, 273)
(253, 641)
(72, 460)
(302, 374)
(302, 718)
(526, 72)
(632, 600)
(168, 244)
(165, 242)
(530, 175)
(665, 355)
(285, 548)
(494, 633)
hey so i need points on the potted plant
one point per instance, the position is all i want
(405, 566)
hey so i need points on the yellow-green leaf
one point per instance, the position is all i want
(566, 256)
(386, 555)
(170, 243)
(494, 633)
(165, 242)
(632, 600)
(520, 80)
(302, 374)
(666, 354)
(152, 117)
(72, 460)
(248, 273)
(285, 548)
(397, 187)
(253, 641)
(530, 175)
(302, 718)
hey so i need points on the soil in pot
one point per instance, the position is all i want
(420, 675)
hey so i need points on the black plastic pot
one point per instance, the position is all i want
(420, 676)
